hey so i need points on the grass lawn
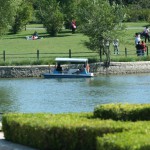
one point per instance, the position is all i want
(25, 50)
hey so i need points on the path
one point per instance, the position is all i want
(6, 145)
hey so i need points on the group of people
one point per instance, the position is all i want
(83, 68)
(106, 44)
(140, 45)
(35, 36)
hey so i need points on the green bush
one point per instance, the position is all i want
(131, 112)
(124, 141)
(73, 131)
(59, 131)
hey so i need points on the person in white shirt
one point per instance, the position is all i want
(137, 38)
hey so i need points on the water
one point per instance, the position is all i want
(72, 95)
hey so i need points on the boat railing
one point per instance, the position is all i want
(71, 71)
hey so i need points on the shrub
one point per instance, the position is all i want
(57, 132)
(131, 112)
(124, 141)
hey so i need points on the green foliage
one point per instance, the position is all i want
(69, 9)
(57, 131)
(125, 141)
(7, 11)
(51, 16)
(102, 23)
(74, 131)
(136, 13)
(22, 17)
(132, 112)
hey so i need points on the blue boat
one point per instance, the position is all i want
(72, 68)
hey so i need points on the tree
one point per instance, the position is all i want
(101, 23)
(7, 11)
(51, 16)
(69, 9)
(22, 17)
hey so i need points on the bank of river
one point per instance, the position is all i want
(97, 68)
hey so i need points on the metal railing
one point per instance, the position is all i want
(41, 55)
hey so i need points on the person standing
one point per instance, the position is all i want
(73, 26)
(137, 38)
(116, 46)
(139, 49)
(143, 47)
(146, 34)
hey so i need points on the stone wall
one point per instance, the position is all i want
(124, 68)
(98, 68)
(22, 71)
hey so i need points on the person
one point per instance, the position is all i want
(139, 49)
(143, 47)
(146, 34)
(87, 67)
(35, 36)
(73, 26)
(59, 68)
(116, 46)
(137, 38)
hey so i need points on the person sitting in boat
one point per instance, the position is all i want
(59, 68)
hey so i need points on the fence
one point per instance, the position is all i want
(39, 55)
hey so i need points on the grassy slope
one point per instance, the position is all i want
(65, 40)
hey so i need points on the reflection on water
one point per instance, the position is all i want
(72, 95)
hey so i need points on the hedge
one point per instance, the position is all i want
(124, 141)
(59, 131)
(81, 131)
(126, 112)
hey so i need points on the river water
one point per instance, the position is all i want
(72, 95)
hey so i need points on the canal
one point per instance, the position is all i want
(32, 95)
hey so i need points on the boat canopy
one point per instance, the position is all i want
(71, 59)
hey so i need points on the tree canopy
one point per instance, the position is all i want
(101, 22)
(7, 11)
(50, 15)
(23, 16)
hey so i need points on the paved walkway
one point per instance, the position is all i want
(6, 145)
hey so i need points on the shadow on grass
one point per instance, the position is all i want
(148, 25)
(63, 33)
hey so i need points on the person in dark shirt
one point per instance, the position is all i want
(139, 49)
(59, 68)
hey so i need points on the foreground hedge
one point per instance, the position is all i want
(126, 112)
(124, 141)
(58, 132)
(79, 131)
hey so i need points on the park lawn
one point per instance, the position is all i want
(136, 24)
(60, 45)
(17, 44)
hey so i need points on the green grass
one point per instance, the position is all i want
(25, 50)
(136, 24)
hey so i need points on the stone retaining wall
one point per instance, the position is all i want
(125, 68)
(98, 68)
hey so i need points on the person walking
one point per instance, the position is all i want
(116, 46)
